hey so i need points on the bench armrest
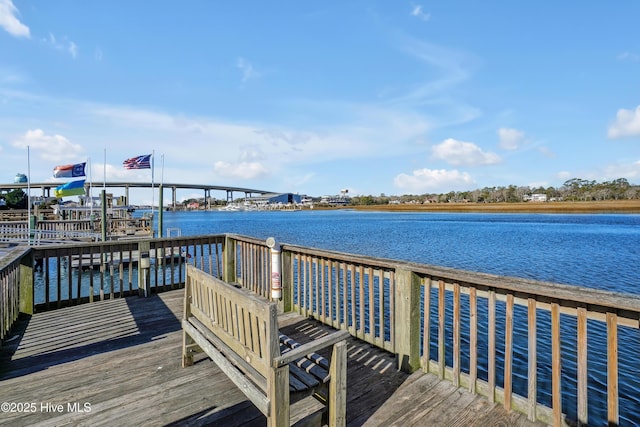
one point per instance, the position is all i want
(310, 347)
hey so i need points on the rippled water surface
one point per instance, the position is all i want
(600, 251)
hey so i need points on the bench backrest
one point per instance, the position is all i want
(246, 323)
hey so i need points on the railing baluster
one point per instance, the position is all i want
(473, 339)
(491, 331)
(532, 373)
(582, 394)
(456, 334)
(426, 329)
(556, 373)
(612, 368)
(441, 330)
(508, 351)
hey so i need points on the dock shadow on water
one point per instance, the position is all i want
(73, 333)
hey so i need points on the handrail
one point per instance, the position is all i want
(10, 287)
(558, 353)
(517, 333)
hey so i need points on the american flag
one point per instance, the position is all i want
(140, 162)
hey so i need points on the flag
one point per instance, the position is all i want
(140, 162)
(73, 188)
(69, 171)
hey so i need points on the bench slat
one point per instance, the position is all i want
(254, 393)
(248, 369)
(239, 332)
(310, 347)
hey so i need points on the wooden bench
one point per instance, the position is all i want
(239, 332)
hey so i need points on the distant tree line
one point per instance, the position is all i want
(575, 189)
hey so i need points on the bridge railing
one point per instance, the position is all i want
(558, 353)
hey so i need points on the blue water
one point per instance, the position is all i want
(599, 251)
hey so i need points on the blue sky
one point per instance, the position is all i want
(315, 97)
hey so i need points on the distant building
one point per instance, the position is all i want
(535, 198)
(20, 178)
(335, 200)
(276, 198)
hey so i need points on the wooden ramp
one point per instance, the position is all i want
(117, 362)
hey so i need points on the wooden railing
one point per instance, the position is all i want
(69, 274)
(14, 282)
(87, 230)
(560, 354)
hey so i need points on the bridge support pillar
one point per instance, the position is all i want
(173, 198)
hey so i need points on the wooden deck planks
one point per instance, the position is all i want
(122, 357)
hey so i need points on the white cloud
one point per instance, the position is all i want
(627, 123)
(73, 49)
(240, 170)
(64, 45)
(251, 153)
(10, 22)
(248, 72)
(459, 153)
(510, 139)
(433, 180)
(419, 13)
(55, 148)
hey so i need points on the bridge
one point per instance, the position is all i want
(47, 186)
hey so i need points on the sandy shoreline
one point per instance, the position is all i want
(609, 206)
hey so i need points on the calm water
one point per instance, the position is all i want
(600, 251)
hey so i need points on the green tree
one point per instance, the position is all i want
(16, 199)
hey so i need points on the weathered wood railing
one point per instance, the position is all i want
(14, 274)
(552, 351)
(75, 273)
(70, 229)
(561, 354)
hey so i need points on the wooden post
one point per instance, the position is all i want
(229, 260)
(285, 304)
(103, 220)
(338, 385)
(144, 282)
(407, 320)
(187, 341)
(26, 283)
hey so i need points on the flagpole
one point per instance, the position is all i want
(153, 166)
(29, 191)
(90, 192)
(104, 171)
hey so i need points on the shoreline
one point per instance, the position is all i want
(608, 206)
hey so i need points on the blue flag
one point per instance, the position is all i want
(73, 188)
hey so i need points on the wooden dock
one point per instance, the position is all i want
(117, 362)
